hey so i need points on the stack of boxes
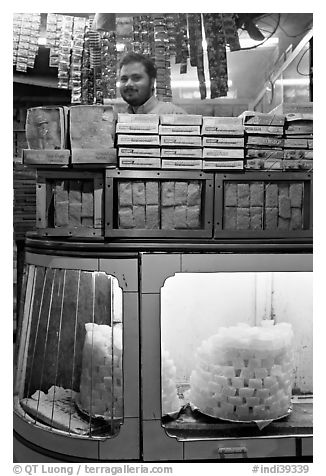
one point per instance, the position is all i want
(264, 140)
(138, 141)
(298, 141)
(223, 143)
(181, 142)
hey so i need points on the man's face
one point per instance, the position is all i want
(135, 84)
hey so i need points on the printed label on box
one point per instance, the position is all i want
(136, 128)
(221, 164)
(139, 152)
(181, 153)
(273, 130)
(182, 164)
(125, 139)
(181, 119)
(224, 153)
(223, 141)
(46, 157)
(187, 141)
(140, 162)
(178, 130)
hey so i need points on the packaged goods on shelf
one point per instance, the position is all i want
(302, 164)
(298, 154)
(181, 153)
(264, 164)
(139, 139)
(222, 164)
(265, 141)
(222, 126)
(265, 153)
(149, 118)
(182, 164)
(181, 119)
(261, 119)
(139, 152)
(223, 153)
(223, 141)
(264, 130)
(245, 373)
(140, 162)
(136, 128)
(46, 128)
(179, 140)
(179, 130)
(298, 143)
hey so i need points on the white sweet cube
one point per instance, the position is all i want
(229, 391)
(255, 383)
(275, 410)
(270, 400)
(262, 393)
(274, 388)
(254, 364)
(235, 400)
(277, 371)
(246, 392)
(269, 382)
(237, 382)
(252, 401)
(258, 412)
(246, 373)
(228, 371)
(242, 412)
(226, 409)
(222, 380)
(238, 363)
(260, 372)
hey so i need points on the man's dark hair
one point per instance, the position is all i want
(138, 58)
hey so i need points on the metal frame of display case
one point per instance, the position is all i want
(31, 439)
(157, 443)
(250, 177)
(111, 199)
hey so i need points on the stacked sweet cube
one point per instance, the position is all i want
(181, 142)
(223, 143)
(298, 141)
(264, 140)
(245, 373)
(170, 399)
(74, 203)
(263, 206)
(101, 374)
(138, 141)
(159, 205)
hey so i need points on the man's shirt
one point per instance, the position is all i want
(154, 106)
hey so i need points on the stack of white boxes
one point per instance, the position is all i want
(138, 141)
(181, 143)
(264, 140)
(223, 143)
(298, 141)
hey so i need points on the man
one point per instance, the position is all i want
(137, 78)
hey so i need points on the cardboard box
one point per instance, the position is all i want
(140, 162)
(223, 153)
(139, 152)
(297, 143)
(273, 130)
(139, 139)
(265, 141)
(182, 164)
(222, 126)
(179, 130)
(262, 119)
(92, 127)
(298, 164)
(185, 141)
(181, 119)
(45, 128)
(223, 142)
(222, 164)
(298, 154)
(131, 118)
(183, 153)
(136, 128)
(264, 164)
(264, 154)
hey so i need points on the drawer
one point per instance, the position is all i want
(238, 449)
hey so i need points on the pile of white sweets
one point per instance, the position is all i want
(101, 376)
(245, 373)
(170, 399)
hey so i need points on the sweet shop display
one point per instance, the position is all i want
(101, 374)
(245, 373)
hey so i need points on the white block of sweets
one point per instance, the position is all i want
(245, 373)
(170, 399)
(101, 374)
